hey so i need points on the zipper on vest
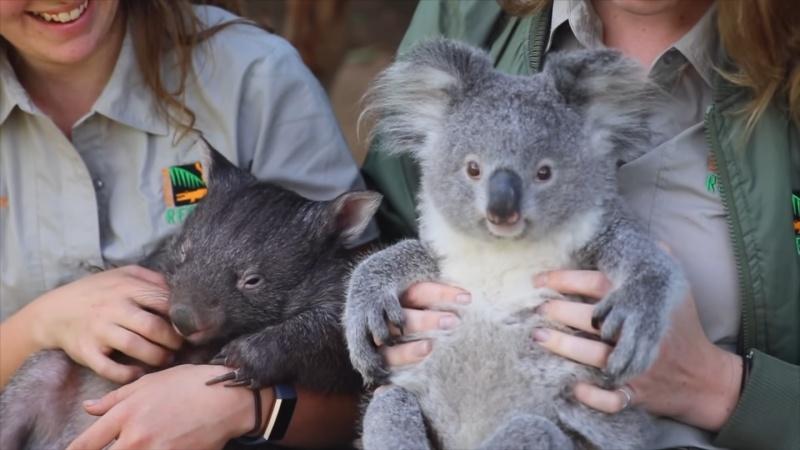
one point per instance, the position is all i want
(743, 276)
(538, 35)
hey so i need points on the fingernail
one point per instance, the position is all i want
(541, 334)
(448, 322)
(463, 298)
(540, 280)
(89, 403)
(422, 348)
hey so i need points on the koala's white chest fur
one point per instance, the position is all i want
(488, 367)
(500, 272)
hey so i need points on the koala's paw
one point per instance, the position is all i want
(253, 366)
(367, 322)
(636, 315)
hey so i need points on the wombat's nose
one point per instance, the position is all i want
(505, 193)
(183, 320)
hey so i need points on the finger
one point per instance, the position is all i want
(585, 351)
(427, 294)
(109, 369)
(98, 435)
(145, 274)
(406, 353)
(610, 402)
(150, 326)
(135, 346)
(573, 314)
(98, 407)
(151, 297)
(422, 320)
(588, 283)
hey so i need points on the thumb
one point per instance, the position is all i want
(98, 407)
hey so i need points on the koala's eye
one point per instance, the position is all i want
(473, 170)
(544, 173)
(251, 281)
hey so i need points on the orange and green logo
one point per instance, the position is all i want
(184, 186)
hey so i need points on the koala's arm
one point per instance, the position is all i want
(307, 349)
(373, 301)
(647, 284)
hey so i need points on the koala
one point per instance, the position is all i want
(518, 177)
(257, 279)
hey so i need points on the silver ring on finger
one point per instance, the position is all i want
(627, 396)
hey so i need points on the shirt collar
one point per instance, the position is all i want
(579, 17)
(12, 93)
(125, 99)
(700, 45)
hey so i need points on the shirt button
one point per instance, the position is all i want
(98, 183)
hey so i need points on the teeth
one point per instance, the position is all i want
(64, 17)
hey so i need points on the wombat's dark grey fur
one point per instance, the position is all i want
(257, 271)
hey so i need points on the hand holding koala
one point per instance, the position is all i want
(518, 178)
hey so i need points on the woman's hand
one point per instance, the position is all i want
(691, 381)
(172, 408)
(121, 309)
(416, 301)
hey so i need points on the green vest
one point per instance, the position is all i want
(760, 185)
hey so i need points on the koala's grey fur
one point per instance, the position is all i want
(485, 383)
(283, 328)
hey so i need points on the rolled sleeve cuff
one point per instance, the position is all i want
(768, 412)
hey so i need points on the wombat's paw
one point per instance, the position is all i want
(637, 320)
(250, 357)
(367, 319)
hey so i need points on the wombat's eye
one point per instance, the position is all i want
(251, 281)
(473, 170)
(544, 173)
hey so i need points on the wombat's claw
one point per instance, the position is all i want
(218, 360)
(224, 377)
(247, 382)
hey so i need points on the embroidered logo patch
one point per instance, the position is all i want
(3, 202)
(712, 178)
(184, 186)
(796, 222)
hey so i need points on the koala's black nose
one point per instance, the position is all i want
(183, 320)
(505, 193)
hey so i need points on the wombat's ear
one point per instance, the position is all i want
(352, 212)
(613, 91)
(222, 173)
(411, 98)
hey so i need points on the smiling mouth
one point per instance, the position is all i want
(62, 17)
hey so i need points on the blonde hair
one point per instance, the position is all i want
(762, 37)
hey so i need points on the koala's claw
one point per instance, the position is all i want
(368, 325)
(636, 329)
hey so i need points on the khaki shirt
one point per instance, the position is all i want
(672, 189)
(105, 197)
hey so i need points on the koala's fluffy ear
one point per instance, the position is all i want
(613, 91)
(410, 99)
(352, 212)
(223, 175)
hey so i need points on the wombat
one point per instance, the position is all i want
(257, 277)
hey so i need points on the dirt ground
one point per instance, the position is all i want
(373, 29)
